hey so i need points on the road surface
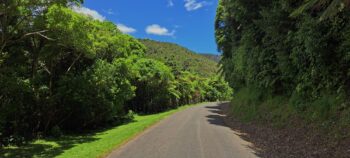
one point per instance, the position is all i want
(197, 132)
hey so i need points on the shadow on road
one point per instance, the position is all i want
(218, 117)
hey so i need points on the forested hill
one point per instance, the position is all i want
(180, 58)
(213, 57)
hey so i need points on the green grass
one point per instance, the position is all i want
(88, 145)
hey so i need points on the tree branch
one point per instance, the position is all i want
(37, 33)
(75, 60)
(44, 67)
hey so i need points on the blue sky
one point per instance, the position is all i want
(189, 23)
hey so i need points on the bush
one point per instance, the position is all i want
(17, 113)
(130, 115)
(155, 86)
(56, 132)
(95, 97)
(218, 90)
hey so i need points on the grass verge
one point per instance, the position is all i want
(87, 145)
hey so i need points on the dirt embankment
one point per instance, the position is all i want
(294, 141)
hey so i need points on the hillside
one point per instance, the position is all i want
(180, 58)
(213, 57)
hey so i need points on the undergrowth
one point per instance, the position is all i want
(327, 114)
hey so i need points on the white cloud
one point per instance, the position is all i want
(125, 29)
(170, 3)
(110, 12)
(89, 12)
(192, 5)
(155, 29)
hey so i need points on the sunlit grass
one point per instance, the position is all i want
(86, 146)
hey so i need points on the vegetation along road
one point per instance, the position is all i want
(82, 78)
(198, 132)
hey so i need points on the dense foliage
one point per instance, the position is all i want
(155, 88)
(295, 49)
(56, 76)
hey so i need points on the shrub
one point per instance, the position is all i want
(95, 97)
(155, 86)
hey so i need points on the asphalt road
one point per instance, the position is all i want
(197, 132)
